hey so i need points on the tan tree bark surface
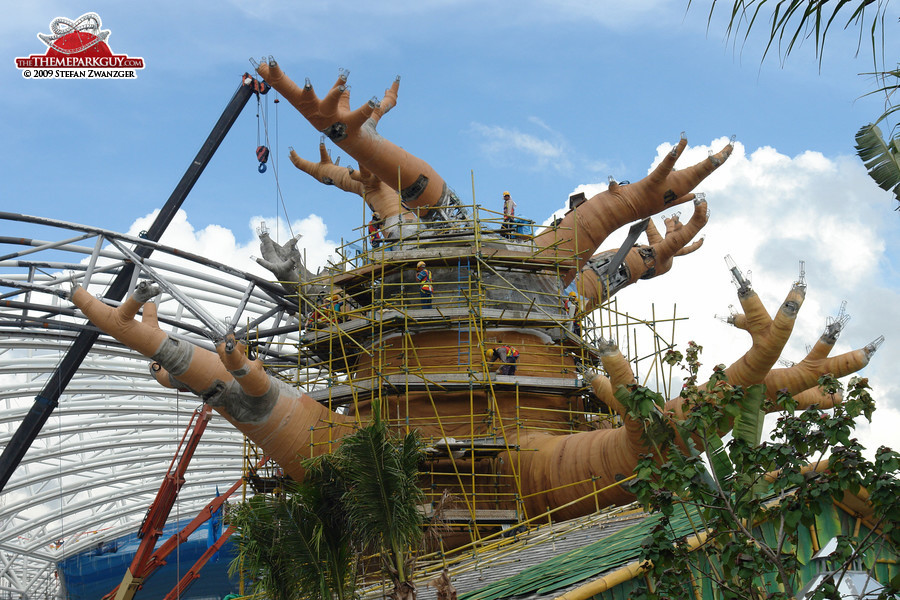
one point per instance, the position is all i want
(289, 426)
(354, 132)
(583, 229)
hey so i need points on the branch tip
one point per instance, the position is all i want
(742, 283)
(145, 291)
(834, 325)
(872, 346)
(801, 279)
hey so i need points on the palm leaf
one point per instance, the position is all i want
(292, 547)
(382, 493)
(879, 157)
(794, 21)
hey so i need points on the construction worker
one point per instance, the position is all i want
(508, 355)
(509, 207)
(509, 215)
(375, 235)
(573, 311)
(327, 312)
(426, 289)
(337, 307)
(316, 317)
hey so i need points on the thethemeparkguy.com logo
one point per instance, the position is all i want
(78, 50)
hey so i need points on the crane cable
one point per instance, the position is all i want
(262, 118)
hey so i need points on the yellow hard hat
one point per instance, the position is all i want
(488, 355)
(420, 264)
(506, 193)
(335, 296)
(572, 294)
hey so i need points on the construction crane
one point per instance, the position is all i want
(48, 399)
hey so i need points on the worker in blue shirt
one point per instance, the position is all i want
(426, 289)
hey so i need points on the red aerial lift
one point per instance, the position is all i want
(145, 560)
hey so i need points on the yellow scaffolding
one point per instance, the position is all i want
(368, 333)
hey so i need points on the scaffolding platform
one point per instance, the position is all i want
(373, 333)
(443, 382)
(486, 516)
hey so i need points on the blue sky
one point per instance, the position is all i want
(540, 98)
(535, 96)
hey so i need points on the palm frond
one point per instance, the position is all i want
(793, 21)
(289, 549)
(382, 484)
(363, 497)
(881, 158)
(382, 493)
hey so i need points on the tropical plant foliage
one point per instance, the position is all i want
(362, 499)
(381, 497)
(297, 544)
(813, 458)
(793, 21)
(790, 22)
(882, 159)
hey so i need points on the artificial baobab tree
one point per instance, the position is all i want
(553, 467)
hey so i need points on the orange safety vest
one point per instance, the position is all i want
(511, 351)
(374, 231)
(425, 277)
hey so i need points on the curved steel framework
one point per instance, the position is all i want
(92, 472)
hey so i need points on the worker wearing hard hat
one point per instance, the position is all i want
(573, 311)
(508, 355)
(509, 207)
(328, 312)
(375, 235)
(426, 287)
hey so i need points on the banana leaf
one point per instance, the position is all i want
(718, 458)
(881, 158)
(748, 425)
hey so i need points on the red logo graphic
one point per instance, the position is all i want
(78, 49)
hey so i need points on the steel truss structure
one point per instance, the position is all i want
(93, 471)
(91, 474)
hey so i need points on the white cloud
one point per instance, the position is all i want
(219, 244)
(505, 146)
(770, 211)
